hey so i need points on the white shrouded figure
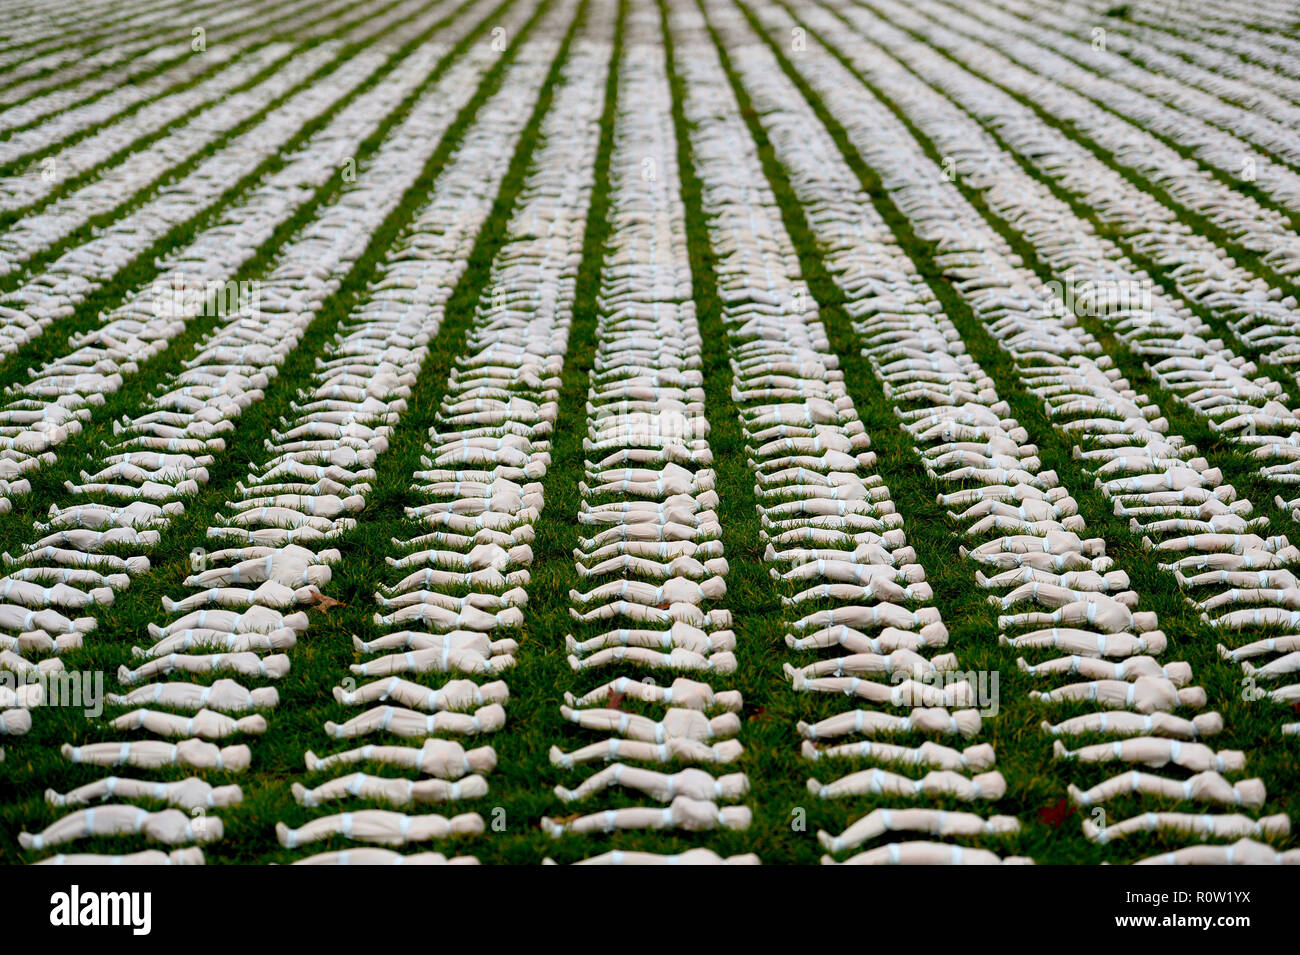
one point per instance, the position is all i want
(224, 696)
(691, 815)
(187, 794)
(440, 758)
(903, 693)
(1143, 695)
(693, 783)
(216, 640)
(440, 659)
(1130, 668)
(676, 749)
(874, 664)
(1287, 644)
(1204, 825)
(171, 826)
(933, 719)
(189, 856)
(1156, 752)
(1203, 787)
(1241, 852)
(253, 620)
(269, 593)
(205, 724)
(1089, 643)
(678, 658)
(394, 791)
(679, 635)
(245, 663)
(367, 855)
(917, 852)
(1095, 610)
(380, 826)
(875, 781)
(929, 754)
(887, 640)
(1126, 723)
(152, 754)
(932, 821)
(683, 692)
(290, 566)
(453, 695)
(678, 723)
(472, 640)
(415, 723)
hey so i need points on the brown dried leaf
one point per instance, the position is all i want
(324, 603)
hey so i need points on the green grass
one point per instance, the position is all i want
(1245, 257)
(123, 623)
(1217, 172)
(254, 25)
(143, 269)
(786, 818)
(1024, 754)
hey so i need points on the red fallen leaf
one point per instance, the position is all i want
(1295, 708)
(758, 713)
(1056, 815)
(616, 700)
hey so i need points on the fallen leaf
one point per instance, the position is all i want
(324, 602)
(1056, 815)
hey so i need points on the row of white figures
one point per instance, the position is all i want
(56, 288)
(1230, 567)
(204, 400)
(1074, 93)
(84, 65)
(306, 489)
(833, 534)
(55, 401)
(1249, 31)
(103, 115)
(436, 673)
(1153, 477)
(1201, 372)
(1212, 126)
(74, 113)
(650, 559)
(1051, 356)
(32, 34)
(963, 432)
(1169, 58)
(149, 71)
(1201, 33)
(1193, 64)
(64, 283)
(1258, 312)
(60, 36)
(200, 278)
(1099, 280)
